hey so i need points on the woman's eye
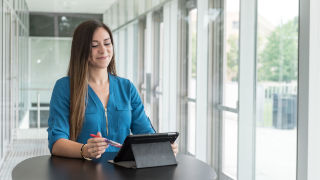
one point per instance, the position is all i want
(94, 46)
(107, 44)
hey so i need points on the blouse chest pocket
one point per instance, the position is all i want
(123, 116)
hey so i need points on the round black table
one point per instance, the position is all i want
(54, 167)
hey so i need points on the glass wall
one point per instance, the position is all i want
(144, 52)
(231, 53)
(23, 63)
(24, 70)
(124, 11)
(275, 115)
(13, 50)
(57, 24)
(49, 59)
(50, 47)
(277, 72)
(159, 47)
(225, 67)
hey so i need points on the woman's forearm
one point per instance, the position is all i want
(67, 148)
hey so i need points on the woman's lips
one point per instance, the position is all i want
(102, 58)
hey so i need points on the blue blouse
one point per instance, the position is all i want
(125, 113)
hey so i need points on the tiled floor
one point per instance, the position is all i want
(26, 143)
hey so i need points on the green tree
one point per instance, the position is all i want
(194, 55)
(279, 59)
(232, 58)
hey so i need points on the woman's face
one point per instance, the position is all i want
(101, 49)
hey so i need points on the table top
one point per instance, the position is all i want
(54, 167)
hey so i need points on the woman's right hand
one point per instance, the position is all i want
(95, 147)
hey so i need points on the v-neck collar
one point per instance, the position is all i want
(95, 97)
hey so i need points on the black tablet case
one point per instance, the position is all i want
(144, 151)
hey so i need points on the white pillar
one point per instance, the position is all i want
(173, 66)
(170, 63)
(164, 125)
(202, 80)
(247, 85)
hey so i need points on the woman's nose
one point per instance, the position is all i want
(102, 49)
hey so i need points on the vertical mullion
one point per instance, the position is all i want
(247, 82)
(303, 94)
(308, 91)
(214, 74)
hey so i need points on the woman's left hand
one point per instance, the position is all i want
(175, 148)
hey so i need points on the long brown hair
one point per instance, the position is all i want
(78, 72)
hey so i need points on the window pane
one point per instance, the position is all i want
(23, 80)
(191, 128)
(229, 144)
(136, 55)
(41, 25)
(57, 24)
(49, 58)
(67, 24)
(192, 79)
(7, 88)
(277, 60)
(192, 53)
(231, 54)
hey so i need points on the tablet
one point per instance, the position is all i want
(125, 153)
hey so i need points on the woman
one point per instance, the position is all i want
(92, 99)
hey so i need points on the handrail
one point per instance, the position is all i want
(37, 89)
(38, 109)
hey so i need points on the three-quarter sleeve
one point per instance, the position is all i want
(58, 122)
(140, 122)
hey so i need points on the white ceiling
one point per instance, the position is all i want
(70, 6)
